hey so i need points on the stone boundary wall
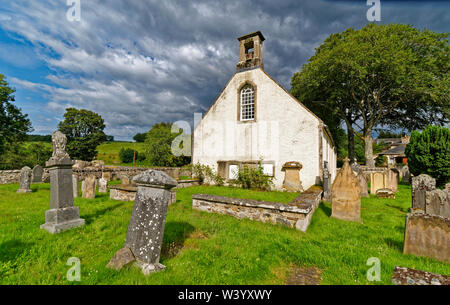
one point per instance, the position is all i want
(296, 214)
(13, 176)
(9, 176)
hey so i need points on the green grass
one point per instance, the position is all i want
(202, 248)
(109, 152)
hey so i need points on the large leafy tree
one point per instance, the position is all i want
(392, 75)
(158, 146)
(84, 131)
(14, 125)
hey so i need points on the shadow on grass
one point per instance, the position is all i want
(91, 217)
(394, 244)
(404, 210)
(12, 248)
(175, 234)
(325, 209)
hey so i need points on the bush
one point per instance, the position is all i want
(204, 173)
(429, 153)
(381, 161)
(126, 155)
(253, 178)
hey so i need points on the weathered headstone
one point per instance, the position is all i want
(385, 193)
(377, 181)
(326, 182)
(419, 186)
(363, 184)
(75, 186)
(106, 175)
(346, 195)
(63, 215)
(392, 179)
(437, 202)
(146, 228)
(102, 185)
(25, 180)
(37, 174)
(427, 235)
(89, 187)
(406, 175)
(124, 180)
(292, 182)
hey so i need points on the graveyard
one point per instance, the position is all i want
(204, 248)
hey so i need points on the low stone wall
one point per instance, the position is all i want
(9, 176)
(427, 235)
(297, 214)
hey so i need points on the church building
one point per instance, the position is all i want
(254, 119)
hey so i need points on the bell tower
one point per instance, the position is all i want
(250, 51)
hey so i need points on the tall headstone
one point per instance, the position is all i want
(292, 182)
(346, 195)
(363, 184)
(25, 180)
(75, 186)
(326, 182)
(378, 180)
(419, 186)
(146, 228)
(102, 185)
(63, 215)
(37, 174)
(89, 187)
(392, 179)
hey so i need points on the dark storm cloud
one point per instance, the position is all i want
(141, 62)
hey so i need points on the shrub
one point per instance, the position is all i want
(381, 161)
(429, 153)
(253, 178)
(204, 173)
(126, 155)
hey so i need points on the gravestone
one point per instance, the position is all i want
(146, 227)
(406, 175)
(419, 186)
(63, 215)
(124, 180)
(326, 182)
(75, 186)
(37, 174)
(363, 184)
(407, 276)
(437, 202)
(377, 181)
(392, 179)
(25, 180)
(292, 182)
(102, 185)
(385, 193)
(346, 195)
(89, 187)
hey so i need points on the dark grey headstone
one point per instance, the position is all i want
(419, 186)
(38, 171)
(326, 182)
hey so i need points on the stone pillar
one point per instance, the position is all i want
(326, 182)
(146, 228)
(37, 174)
(102, 185)
(63, 215)
(25, 180)
(75, 186)
(346, 195)
(419, 186)
(292, 182)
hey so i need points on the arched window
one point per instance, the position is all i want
(247, 103)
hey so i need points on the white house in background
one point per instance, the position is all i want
(255, 119)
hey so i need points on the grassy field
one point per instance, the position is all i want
(203, 248)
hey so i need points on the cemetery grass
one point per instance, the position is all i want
(202, 248)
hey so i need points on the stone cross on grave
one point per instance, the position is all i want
(146, 228)
(63, 215)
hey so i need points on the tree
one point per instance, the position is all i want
(14, 125)
(429, 153)
(392, 75)
(127, 155)
(158, 146)
(140, 137)
(84, 131)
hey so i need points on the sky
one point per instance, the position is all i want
(141, 62)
